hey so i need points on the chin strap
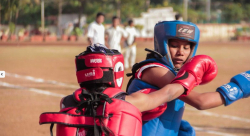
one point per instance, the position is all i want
(155, 53)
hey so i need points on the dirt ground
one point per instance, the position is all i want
(32, 69)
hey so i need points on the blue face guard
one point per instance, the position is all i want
(166, 30)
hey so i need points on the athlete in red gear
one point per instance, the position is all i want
(99, 100)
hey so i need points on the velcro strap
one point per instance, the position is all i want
(67, 119)
(108, 77)
(231, 92)
(89, 74)
(119, 74)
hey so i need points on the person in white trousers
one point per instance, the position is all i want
(130, 45)
(114, 34)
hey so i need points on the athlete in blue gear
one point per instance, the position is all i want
(174, 43)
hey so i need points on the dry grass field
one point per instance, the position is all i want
(37, 76)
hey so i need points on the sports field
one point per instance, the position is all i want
(38, 76)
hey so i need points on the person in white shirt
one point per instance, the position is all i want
(96, 30)
(130, 45)
(114, 34)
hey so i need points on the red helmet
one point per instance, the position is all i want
(100, 65)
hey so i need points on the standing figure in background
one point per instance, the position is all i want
(178, 17)
(114, 34)
(130, 45)
(96, 30)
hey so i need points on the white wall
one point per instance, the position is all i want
(151, 17)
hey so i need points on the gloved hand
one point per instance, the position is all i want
(198, 70)
(186, 129)
(237, 88)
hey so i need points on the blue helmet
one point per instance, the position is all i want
(166, 30)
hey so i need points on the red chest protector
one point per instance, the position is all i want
(121, 117)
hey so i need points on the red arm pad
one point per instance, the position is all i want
(156, 112)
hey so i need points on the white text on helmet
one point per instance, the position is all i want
(90, 74)
(185, 30)
(95, 60)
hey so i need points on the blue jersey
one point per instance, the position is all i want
(169, 122)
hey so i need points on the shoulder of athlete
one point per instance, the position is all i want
(157, 76)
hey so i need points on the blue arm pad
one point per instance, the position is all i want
(230, 92)
(237, 88)
(243, 81)
(186, 129)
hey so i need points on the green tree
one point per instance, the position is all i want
(247, 13)
(233, 12)
(130, 9)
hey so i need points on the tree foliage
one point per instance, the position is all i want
(29, 11)
(229, 11)
(233, 12)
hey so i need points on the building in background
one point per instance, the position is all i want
(151, 17)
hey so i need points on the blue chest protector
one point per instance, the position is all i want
(169, 122)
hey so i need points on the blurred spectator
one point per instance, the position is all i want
(130, 45)
(1, 33)
(114, 34)
(69, 29)
(178, 17)
(36, 31)
(96, 30)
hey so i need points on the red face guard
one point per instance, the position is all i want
(100, 68)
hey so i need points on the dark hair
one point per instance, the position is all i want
(100, 14)
(130, 22)
(177, 16)
(115, 17)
